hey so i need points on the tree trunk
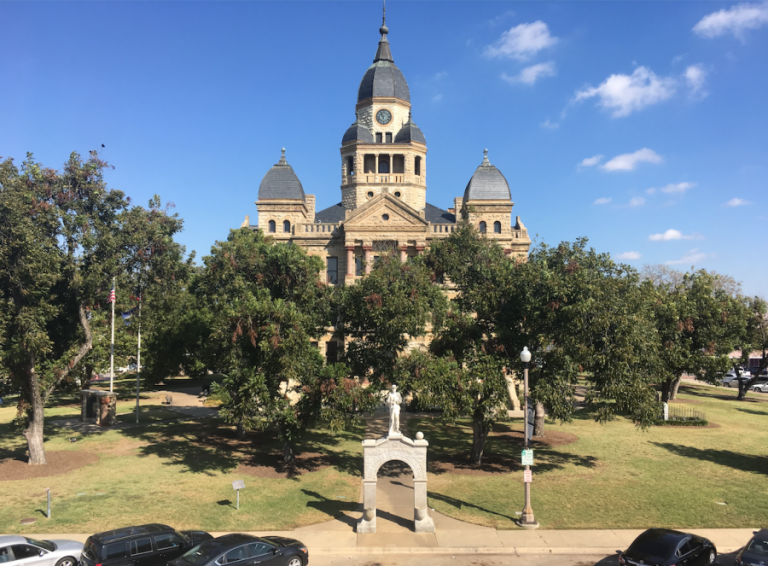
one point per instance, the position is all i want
(479, 434)
(675, 387)
(36, 415)
(744, 389)
(240, 431)
(665, 387)
(538, 421)
(289, 457)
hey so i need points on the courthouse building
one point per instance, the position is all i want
(383, 208)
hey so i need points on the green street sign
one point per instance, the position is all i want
(527, 457)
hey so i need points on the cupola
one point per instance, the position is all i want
(487, 183)
(281, 182)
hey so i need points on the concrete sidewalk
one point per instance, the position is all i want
(471, 539)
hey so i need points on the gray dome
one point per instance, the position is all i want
(281, 182)
(410, 132)
(357, 132)
(487, 183)
(383, 78)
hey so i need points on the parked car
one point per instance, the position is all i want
(145, 545)
(756, 550)
(246, 550)
(664, 547)
(17, 549)
(760, 387)
(731, 379)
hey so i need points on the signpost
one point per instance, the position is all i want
(237, 485)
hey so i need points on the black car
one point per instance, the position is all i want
(756, 551)
(662, 547)
(246, 550)
(145, 545)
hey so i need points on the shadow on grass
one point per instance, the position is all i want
(735, 460)
(334, 508)
(719, 393)
(752, 411)
(458, 504)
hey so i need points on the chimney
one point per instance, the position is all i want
(457, 204)
(309, 202)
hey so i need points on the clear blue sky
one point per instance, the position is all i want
(640, 125)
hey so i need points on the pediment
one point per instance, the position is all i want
(373, 213)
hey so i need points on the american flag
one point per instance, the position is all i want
(111, 296)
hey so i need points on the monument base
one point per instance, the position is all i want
(367, 523)
(422, 522)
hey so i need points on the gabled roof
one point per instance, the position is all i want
(399, 212)
(333, 213)
(437, 215)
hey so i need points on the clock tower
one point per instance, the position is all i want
(383, 151)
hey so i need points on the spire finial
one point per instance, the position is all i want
(384, 30)
(282, 157)
(485, 157)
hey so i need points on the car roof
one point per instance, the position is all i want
(126, 532)
(225, 542)
(6, 540)
(665, 535)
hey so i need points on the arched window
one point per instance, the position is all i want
(483, 227)
(383, 166)
(350, 166)
(417, 166)
(286, 226)
(497, 227)
(272, 226)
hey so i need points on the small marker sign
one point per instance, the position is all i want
(527, 476)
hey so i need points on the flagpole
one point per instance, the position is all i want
(112, 345)
(138, 365)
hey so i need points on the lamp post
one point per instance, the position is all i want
(527, 519)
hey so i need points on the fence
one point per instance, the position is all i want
(683, 414)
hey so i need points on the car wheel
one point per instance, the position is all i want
(295, 561)
(67, 561)
(712, 556)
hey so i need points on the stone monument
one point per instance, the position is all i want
(395, 446)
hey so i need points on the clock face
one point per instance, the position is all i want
(383, 116)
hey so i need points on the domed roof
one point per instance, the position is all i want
(410, 132)
(281, 182)
(383, 78)
(357, 132)
(487, 183)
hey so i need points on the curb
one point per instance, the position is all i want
(484, 550)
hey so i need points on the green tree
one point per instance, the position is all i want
(698, 323)
(755, 338)
(64, 236)
(263, 303)
(383, 313)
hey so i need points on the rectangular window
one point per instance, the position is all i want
(331, 352)
(359, 265)
(378, 137)
(141, 546)
(116, 550)
(333, 270)
(389, 137)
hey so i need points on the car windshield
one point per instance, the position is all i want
(758, 546)
(202, 553)
(45, 544)
(89, 550)
(658, 547)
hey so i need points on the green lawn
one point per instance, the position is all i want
(617, 476)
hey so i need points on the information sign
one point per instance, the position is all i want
(528, 457)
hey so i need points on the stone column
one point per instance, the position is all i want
(368, 258)
(350, 261)
(403, 254)
(422, 522)
(367, 522)
(419, 249)
(376, 168)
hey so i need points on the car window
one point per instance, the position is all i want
(24, 551)
(758, 546)
(116, 550)
(44, 544)
(235, 555)
(686, 547)
(141, 546)
(259, 548)
(168, 540)
(5, 555)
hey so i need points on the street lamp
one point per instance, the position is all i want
(527, 520)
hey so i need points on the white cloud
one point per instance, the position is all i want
(690, 257)
(673, 234)
(629, 255)
(591, 161)
(441, 75)
(549, 125)
(636, 201)
(672, 188)
(737, 202)
(625, 94)
(522, 42)
(737, 20)
(531, 74)
(628, 161)
(695, 75)
(602, 200)
(437, 97)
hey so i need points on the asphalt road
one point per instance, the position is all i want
(479, 560)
